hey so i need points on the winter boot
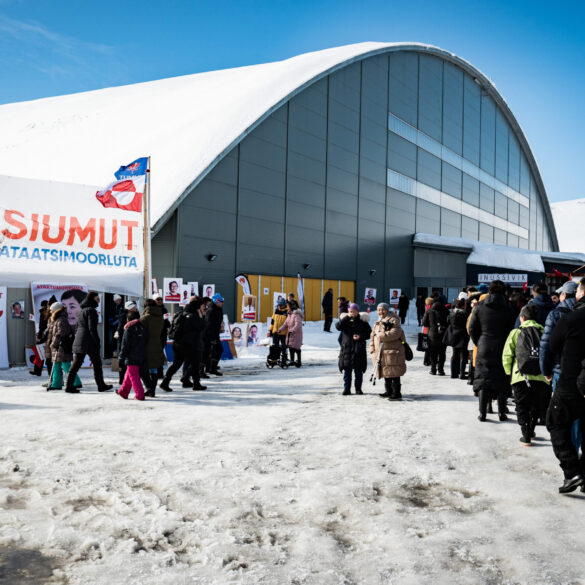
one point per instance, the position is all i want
(202, 373)
(462, 374)
(165, 385)
(186, 383)
(387, 388)
(151, 380)
(455, 365)
(213, 368)
(346, 392)
(298, 362)
(396, 386)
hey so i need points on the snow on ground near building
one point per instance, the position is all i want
(569, 217)
(273, 477)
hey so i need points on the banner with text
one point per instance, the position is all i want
(52, 230)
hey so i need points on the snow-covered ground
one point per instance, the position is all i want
(273, 477)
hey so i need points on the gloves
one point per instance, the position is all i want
(116, 335)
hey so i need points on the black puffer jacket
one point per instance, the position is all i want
(213, 320)
(192, 328)
(456, 335)
(491, 322)
(86, 335)
(133, 347)
(544, 305)
(352, 354)
(436, 319)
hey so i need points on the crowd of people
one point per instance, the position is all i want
(507, 346)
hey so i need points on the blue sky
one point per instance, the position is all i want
(533, 51)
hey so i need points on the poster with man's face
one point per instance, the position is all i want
(69, 295)
(395, 295)
(278, 296)
(370, 296)
(254, 334)
(248, 308)
(185, 295)
(208, 290)
(17, 309)
(193, 288)
(172, 289)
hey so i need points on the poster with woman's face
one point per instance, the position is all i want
(17, 309)
(193, 289)
(208, 290)
(172, 289)
(69, 295)
(185, 295)
(370, 296)
(239, 331)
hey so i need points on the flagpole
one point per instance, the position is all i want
(146, 234)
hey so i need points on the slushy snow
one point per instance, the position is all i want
(273, 477)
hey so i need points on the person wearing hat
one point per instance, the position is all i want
(355, 332)
(550, 365)
(543, 302)
(62, 336)
(279, 336)
(128, 306)
(387, 337)
(213, 321)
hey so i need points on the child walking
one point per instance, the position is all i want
(132, 355)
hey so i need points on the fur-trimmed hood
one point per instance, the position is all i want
(364, 316)
(130, 323)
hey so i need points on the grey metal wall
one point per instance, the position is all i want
(20, 332)
(309, 185)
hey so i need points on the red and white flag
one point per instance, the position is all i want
(125, 194)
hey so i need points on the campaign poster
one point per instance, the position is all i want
(239, 334)
(3, 335)
(225, 333)
(208, 290)
(278, 296)
(51, 228)
(248, 308)
(17, 309)
(370, 296)
(185, 295)
(172, 289)
(254, 334)
(69, 295)
(395, 295)
(153, 287)
(193, 289)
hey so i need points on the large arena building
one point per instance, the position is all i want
(376, 165)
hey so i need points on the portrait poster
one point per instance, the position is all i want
(153, 287)
(193, 288)
(370, 296)
(248, 308)
(17, 309)
(225, 332)
(69, 295)
(3, 329)
(395, 295)
(185, 295)
(278, 296)
(239, 334)
(172, 289)
(208, 290)
(254, 334)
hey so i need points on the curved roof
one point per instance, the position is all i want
(186, 124)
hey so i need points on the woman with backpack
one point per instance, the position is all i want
(61, 343)
(520, 359)
(132, 355)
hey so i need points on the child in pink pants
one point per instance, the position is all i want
(132, 355)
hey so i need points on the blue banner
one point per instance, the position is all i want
(134, 169)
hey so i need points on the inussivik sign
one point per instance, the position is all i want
(60, 232)
(505, 278)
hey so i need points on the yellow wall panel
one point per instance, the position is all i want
(347, 290)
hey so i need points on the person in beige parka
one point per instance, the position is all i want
(388, 331)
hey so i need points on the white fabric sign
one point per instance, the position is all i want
(505, 278)
(60, 231)
(3, 335)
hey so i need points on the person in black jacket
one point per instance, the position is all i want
(327, 304)
(355, 332)
(490, 323)
(44, 315)
(128, 306)
(436, 320)
(87, 342)
(420, 308)
(213, 320)
(132, 355)
(458, 338)
(541, 299)
(403, 304)
(187, 346)
(567, 404)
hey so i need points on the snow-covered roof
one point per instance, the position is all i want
(186, 124)
(508, 257)
(569, 219)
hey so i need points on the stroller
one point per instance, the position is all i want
(276, 357)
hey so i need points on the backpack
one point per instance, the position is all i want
(176, 328)
(528, 351)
